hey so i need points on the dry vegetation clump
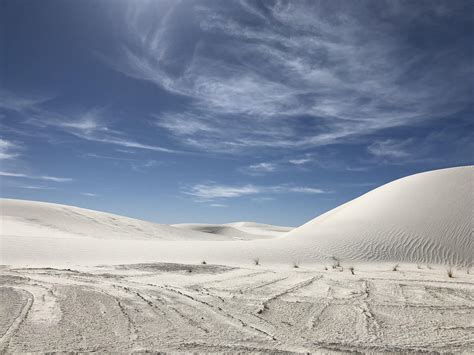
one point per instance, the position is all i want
(395, 267)
(296, 264)
(450, 271)
(204, 262)
(351, 269)
(256, 260)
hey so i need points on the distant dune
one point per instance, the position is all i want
(423, 218)
(239, 230)
(40, 219)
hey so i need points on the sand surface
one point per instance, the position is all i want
(213, 308)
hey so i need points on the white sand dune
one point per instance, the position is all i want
(424, 218)
(239, 230)
(46, 220)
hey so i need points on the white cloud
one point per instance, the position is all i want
(306, 190)
(390, 149)
(260, 168)
(35, 177)
(300, 161)
(214, 191)
(17, 103)
(32, 187)
(88, 125)
(8, 149)
(89, 194)
(204, 191)
(220, 205)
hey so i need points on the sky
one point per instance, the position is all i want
(224, 111)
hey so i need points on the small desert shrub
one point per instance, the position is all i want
(450, 271)
(429, 267)
(296, 264)
(419, 266)
(351, 269)
(256, 260)
(204, 262)
(326, 268)
(336, 262)
(395, 267)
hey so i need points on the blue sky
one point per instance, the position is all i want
(221, 111)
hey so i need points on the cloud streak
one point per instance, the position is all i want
(215, 191)
(35, 177)
(88, 125)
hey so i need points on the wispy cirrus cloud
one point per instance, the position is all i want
(260, 168)
(35, 177)
(219, 205)
(292, 75)
(391, 149)
(89, 194)
(215, 191)
(90, 125)
(300, 161)
(34, 187)
(8, 149)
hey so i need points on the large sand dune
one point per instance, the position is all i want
(424, 218)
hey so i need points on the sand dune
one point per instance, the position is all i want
(46, 220)
(239, 230)
(424, 218)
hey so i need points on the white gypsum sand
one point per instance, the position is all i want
(238, 230)
(210, 308)
(423, 218)
(81, 280)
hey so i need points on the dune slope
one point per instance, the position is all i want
(426, 217)
(40, 219)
